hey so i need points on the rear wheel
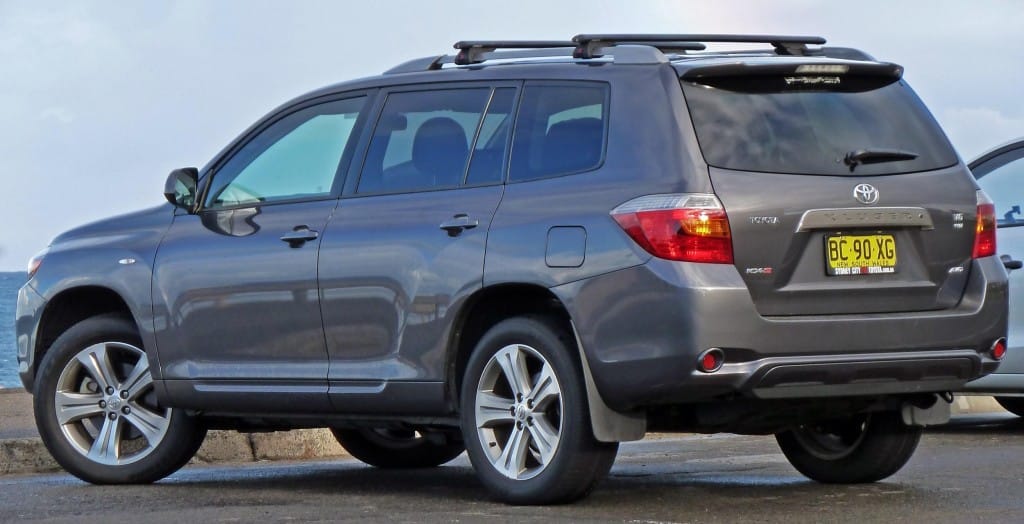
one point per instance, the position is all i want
(97, 411)
(398, 448)
(864, 448)
(525, 418)
(1014, 405)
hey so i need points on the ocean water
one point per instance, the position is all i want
(9, 284)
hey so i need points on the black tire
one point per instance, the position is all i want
(1014, 405)
(862, 449)
(397, 449)
(136, 459)
(570, 468)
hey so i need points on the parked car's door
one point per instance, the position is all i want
(235, 285)
(405, 247)
(1000, 174)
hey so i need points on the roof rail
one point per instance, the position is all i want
(424, 63)
(591, 44)
(473, 51)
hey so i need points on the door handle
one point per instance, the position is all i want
(299, 235)
(1010, 264)
(459, 223)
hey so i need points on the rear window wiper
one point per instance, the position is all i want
(876, 156)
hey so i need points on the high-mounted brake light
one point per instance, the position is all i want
(690, 227)
(985, 227)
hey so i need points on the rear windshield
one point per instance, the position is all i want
(774, 124)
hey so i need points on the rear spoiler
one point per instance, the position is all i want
(734, 69)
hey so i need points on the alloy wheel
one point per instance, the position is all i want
(106, 407)
(519, 411)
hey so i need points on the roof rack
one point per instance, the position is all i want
(625, 48)
(591, 44)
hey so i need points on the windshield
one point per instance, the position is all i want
(776, 124)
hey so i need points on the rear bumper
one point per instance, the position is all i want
(643, 328)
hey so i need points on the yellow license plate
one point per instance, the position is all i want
(860, 254)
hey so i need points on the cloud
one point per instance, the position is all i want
(60, 114)
(100, 100)
(977, 129)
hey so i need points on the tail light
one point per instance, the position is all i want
(691, 227)
(985, 228)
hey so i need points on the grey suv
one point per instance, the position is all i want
(533, 251)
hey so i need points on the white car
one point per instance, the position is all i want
(1000, 173)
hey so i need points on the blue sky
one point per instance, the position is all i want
(99, 100)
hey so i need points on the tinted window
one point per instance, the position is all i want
(422, 140)
(560, 130)
(296, 157)
(763, 124)
(1005, 186)
(491, 144)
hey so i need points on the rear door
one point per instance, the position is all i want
(1001, 175)
(843, 194)
(405, 247)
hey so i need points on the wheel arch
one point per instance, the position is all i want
(498, 302)
(71, 306)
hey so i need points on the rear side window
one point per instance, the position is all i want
(560, 130)
(422, 140)
(763, 123)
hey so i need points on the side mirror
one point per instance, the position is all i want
(181, 186)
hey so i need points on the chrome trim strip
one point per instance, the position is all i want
(865, 217)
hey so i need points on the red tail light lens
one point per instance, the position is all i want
(687, 227)
(985, 228)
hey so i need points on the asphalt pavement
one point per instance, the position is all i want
(969, 470)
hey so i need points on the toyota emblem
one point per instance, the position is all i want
(865, 194)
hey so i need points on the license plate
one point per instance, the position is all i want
(860, 254)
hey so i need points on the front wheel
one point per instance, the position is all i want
(398, 448)
(524, 416)
(859, 449)
(97, 411)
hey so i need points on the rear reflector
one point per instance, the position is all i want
(690, 227)
(711, 360)
(998, 350)
(985, 227)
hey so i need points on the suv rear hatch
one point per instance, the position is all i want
(843, 194)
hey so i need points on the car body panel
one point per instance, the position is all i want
(392, 284)
(931, 260)
(677, 310)
(238, 307)
(116, 254)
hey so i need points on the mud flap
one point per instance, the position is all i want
(607, 424)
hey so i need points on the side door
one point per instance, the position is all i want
(235, 284)
(1000, 174)
(405, 247)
